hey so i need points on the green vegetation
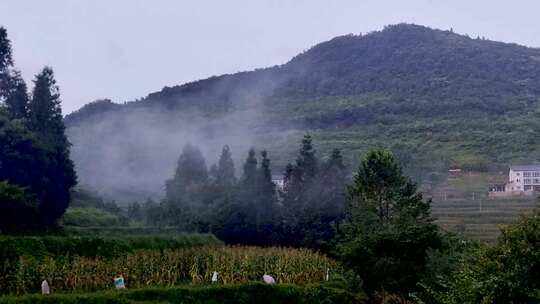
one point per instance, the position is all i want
(504, 273)
(89, 217)
(14, 247)
(388, 230)
(239, 294)
(144, 268)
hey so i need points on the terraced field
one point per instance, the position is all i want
(462, 205)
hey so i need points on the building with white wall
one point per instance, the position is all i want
(522, 180)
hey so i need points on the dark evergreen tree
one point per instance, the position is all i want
(248, 217)
(265, 185)
(6, 62)
(6, 59)
(13, 91)
(388, 229)
(185, 192)
(299, 177)
(326, 203)
(45, 113)
(16, 96)
(249, 177)
(299, 180)
(225, 176)
(45, 119)
(307, 161)
(190, 174)
(265, 200)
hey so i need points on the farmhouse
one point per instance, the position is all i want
(279, 182)
(522, 180)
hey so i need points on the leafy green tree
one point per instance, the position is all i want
(388, 230)
(23, 161)
(45, 119)
(504, 273)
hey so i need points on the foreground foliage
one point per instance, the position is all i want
(147, 268)
(239, 294)
(504, 273)
(388, 231)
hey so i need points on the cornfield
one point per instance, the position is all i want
(145, 268)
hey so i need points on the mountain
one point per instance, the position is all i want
(437, 98)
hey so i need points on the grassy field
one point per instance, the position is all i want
(462, 205)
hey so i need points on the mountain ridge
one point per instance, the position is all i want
(420, 33)
(436, 98)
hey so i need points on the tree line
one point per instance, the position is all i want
(36, 173)
(251, 209)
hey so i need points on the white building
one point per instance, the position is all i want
(523, 178)
(279, 182)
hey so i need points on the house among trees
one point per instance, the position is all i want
(522, 180)
(279, 182)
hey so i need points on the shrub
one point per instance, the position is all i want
(89, 217)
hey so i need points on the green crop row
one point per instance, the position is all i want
(13, 247)
(146, 268)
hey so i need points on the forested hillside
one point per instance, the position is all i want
(437, 98)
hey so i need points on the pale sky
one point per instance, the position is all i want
(125, 49)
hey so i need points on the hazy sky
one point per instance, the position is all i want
(125, 49)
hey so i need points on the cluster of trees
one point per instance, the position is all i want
(36, 173)
(250, 209)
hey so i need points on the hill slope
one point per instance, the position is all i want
(437, 98)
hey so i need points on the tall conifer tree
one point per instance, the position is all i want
(16, 96)
(45, 119)
(225, 176)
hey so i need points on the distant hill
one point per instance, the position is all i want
(437, 98)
